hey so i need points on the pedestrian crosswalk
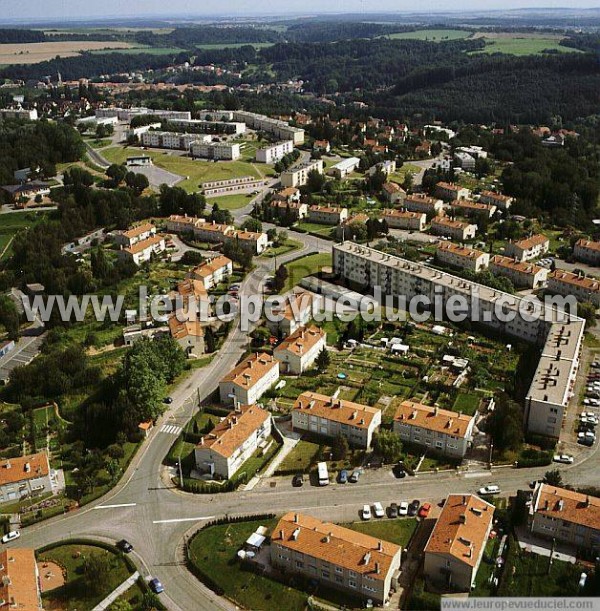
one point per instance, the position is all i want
(170, 429)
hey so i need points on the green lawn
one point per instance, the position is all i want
(432, 35)
(98, 144)
(323, 231)
(523, 44)
(466, 402)
(300, 458)
(289, 246)
(397, 531)
(14, 222)
(77, 593)
(230, 202)
(306, 266)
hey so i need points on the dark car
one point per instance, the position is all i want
(298, 480)
(413, 508)
(168, 400)
(343, 477)
(125, 546)
(354, 477)
(399, 471)
(393, 510)
(156, 586)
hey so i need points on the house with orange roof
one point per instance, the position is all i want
(565, 515)
(20, 580)
(213, 272)
(136, 234)
(178, 223)
(350, 561)
(222, 451)
(393, 193)
(455, 548)
(419, 202)
(583, 288)
(438, 430)
(322, 145)
(404, 219)
(296, 312)
(587, 251)
(28, 476)
(189, 334)
(529, 248)
(462, 257)
(247, 382)
(449, 191)
(298, 351)
(456, 230)
(329, 417)
(501, 201)
(471, 209)
(144, 250)
(327, 215)
(520, 273)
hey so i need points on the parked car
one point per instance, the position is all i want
(393, 511)
(424, 510)
(355, 476)
(403, 511)
(589, 435)
(343, 477)
(413, 508)
(156, 586)
(378, 510)
(489, 490)
(11, 536)
(125, 546)
(399, 471)
(298, 480)
(366, 512)
(566, 459)
(590, 420)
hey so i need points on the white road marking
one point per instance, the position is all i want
(478, 474)
(170, 429)
(183, 520)
(115, 506)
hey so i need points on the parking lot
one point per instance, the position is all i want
(23, 353)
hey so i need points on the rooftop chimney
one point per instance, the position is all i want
(295, 534)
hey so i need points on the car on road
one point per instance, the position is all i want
(125, 546)
(424, 510)
(403, 511)
(378, 510)
(168, 400)
(489, 490)
(393, 511)
(298, 480)
(156, 586)
(413, 508)
(11, 536)
(355, 476)
(343, 477)
(399, 471)
(566, 459)
(366, 512)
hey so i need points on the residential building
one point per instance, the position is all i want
(347, 227)
(393, 193)
(327, 215)
(587, 251)
(298, 351)
(144, 250)
(213, 272)
(503, 202)
(274, 152)
(28, 476)
(288, 195)
(456, 230)
(27, 190)
(329, 417)
(419, 202)
(295, 210)
(476, 152)
(212, 232)
(462, 257)
(19, 113)
(249, 380)
(297, 312)
(297, 176)
(456, 546)
(136, 234)
(126, 114)
(437, 430)
(470, 209)
(529, 248)
(464, 161)
(561, 282)
(189, 334)
(20, 580)
(344, 168)
(228, 151)
(177, 223)
(337, 557)
(519, 273)
(170, 140)
(275, 127)
(322, 145)
(254, 243)
(566, 516)
(450, 192)
(229, 186)
(403, 219)
(222, 451)
(387, 167)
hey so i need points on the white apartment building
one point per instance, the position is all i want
(144, 250)
(178, 223)
(224, 450)
(297, 312)
(298, 351)
(134, 235)
(275, 127)
(126, 114)
(530, 248)
(327, 215)
(228, 151)
(28, 476)
(519, 273)
(387, 167)
(462, 257)
(338, 557)
(587, 251)
(171, 140)
(552, 386)
(19, 113)
(456, 230)
(469, 208)
(448, 191)
(213, 272)
(403, 219)
(419, 202)
(298, 175)
(561, 282)
(274, 152)
(199, 126)
(329, 417)
(296, 210)
(240, 184)
(437, 430)
(247, 382)
(393, 193)
(344, 168)
(456, 546)
(503, 202)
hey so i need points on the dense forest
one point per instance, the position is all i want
(16, 36)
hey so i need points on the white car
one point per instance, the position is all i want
(489, 490)
(11, 536)
(378, 510)
(403, 508)
(366, 512)
(566, 459)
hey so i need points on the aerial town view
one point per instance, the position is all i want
(299, 305)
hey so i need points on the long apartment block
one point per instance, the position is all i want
(560, 341)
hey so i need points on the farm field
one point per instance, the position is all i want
(34, 53)
(134, 50)
(522, 44)
(431, 35)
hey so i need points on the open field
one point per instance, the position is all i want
(10, 224)
(235, 45)
(33, 53)
(513, 43)
(432, 35)
(136, 50)
(306, 266)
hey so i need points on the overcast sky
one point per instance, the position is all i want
(76, 9)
